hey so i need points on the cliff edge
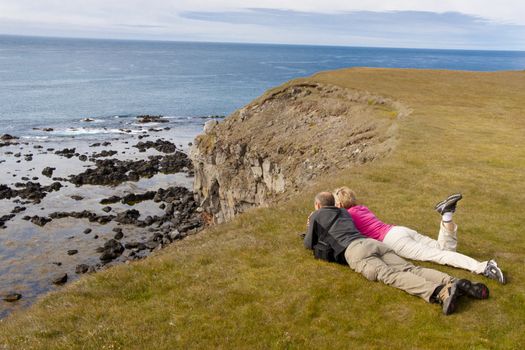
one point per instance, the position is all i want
(285, 139)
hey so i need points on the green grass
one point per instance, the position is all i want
(250, 284)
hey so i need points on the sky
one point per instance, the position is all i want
(459, 24)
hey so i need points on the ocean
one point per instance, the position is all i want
(55, 83)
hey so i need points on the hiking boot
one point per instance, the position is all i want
(448, 205)
(447, 297)
(494, 272)
(473, 290)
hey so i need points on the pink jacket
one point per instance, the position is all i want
(367, 223)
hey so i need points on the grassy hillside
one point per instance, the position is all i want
(250, 284)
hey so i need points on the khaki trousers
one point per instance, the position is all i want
(377, 262)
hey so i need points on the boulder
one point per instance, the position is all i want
(60, 278)
(11, 297)
(112, 249)
(128, 217)
(7, 137)
(81, 268)
(48, 171)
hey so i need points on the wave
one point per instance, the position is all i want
(93, 131)
(27, 137)
(118, 116)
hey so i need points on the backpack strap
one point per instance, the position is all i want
(323, 239)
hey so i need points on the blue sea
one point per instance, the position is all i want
(54, 83)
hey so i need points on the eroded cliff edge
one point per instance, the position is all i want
(285, 139)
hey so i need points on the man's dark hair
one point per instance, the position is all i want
(325, 199)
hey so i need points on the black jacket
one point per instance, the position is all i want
(336, 225)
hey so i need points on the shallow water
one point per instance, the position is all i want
(29, 253)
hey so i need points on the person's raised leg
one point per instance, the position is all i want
(448, 229)
(448, 237)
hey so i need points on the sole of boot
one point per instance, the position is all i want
(449, 305)
(454, 198)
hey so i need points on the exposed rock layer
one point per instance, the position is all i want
(286, 139)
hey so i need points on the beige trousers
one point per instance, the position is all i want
(377, 262)
(411, 245)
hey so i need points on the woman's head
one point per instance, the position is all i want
(344, 197)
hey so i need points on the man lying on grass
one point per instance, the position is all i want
(377, 262)
(412, 245)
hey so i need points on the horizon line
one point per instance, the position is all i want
(245, 43)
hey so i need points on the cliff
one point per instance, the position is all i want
(286, 138)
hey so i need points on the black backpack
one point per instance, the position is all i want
(323, 250)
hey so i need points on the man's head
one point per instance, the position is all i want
(324, 199)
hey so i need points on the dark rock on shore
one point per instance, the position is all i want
(6, 192)
(128, 217)
(110, 200)
(5, 144)
(59, 278)
(11, 297)
(34, 191)
(29, 190)
(114, 171)
(81, 268)
(85, 214)
(66, 152)
(5, 218)
(18, 209)
(160, 145)
(112, 249)
(7, 137)
(151, 119)
(48, 171)
(72, 252)
(104, 154)
(40, 220)
(132, 198)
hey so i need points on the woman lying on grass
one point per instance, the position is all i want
(412, 245)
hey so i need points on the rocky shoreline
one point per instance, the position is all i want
(136, 221)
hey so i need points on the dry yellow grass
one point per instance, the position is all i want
(250, 284)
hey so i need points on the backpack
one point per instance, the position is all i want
(322, 249)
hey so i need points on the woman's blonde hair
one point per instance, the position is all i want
(344, 197)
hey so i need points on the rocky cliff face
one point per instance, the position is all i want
(285, 139)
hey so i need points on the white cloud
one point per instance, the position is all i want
(509, 11)
(161, 19)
